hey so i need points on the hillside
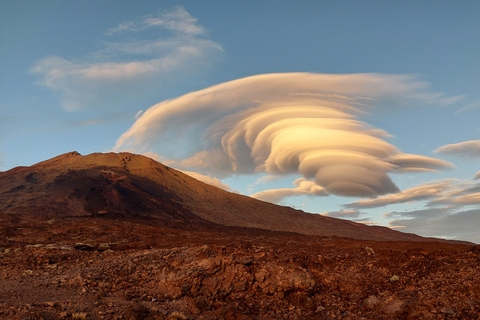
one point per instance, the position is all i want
(128, 186)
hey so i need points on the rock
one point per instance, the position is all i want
(475, 250)
(84, 247)
(394, 279)
(371, 302)
(369, 251)
(393, 306)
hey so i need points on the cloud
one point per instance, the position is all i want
(418, 193)
(138, 114)
(473, 105)
(125, 70)
(267, 179)
(422, 214)
(462, 195)
(442, 222)
(302, 187)
(452, 192)
(414, 162)
(290, 123)
(122, 27)
(451, 206)
(477, 176)
(176, 20)
(467, 149)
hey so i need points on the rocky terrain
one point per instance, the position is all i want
(79, 240)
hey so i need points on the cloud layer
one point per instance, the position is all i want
(127, 67)
(422, 192)
(291, 123)
(451, 209)
(439, 222)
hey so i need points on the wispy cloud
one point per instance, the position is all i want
(128, 69)
(293, 123)
(122, 27)
(448, 192)
(467, 149)
(451, 208)
(178, 20)
(419, 193)
(470, 106)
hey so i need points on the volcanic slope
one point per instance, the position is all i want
(129, 186)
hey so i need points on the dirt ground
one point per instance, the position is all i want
(85, 268)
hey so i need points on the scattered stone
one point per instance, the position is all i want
(371, 302)
(393, 306)
(281, 277)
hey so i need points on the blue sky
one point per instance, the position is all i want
(245, 92)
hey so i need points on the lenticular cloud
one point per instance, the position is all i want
(292, 123)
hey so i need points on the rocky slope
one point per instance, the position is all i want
(128, 186)
(109, 269)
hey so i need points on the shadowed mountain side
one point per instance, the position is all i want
(128, 186)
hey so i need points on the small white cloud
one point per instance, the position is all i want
(176, 20)
(138, 114)
(122, 27)
(267, 179)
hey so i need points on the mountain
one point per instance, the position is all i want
(126, 186)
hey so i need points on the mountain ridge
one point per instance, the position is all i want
(128, 186)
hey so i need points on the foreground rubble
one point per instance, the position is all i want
(153, 273)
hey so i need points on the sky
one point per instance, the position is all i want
(360, 110)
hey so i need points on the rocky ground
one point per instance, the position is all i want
(106, 269)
